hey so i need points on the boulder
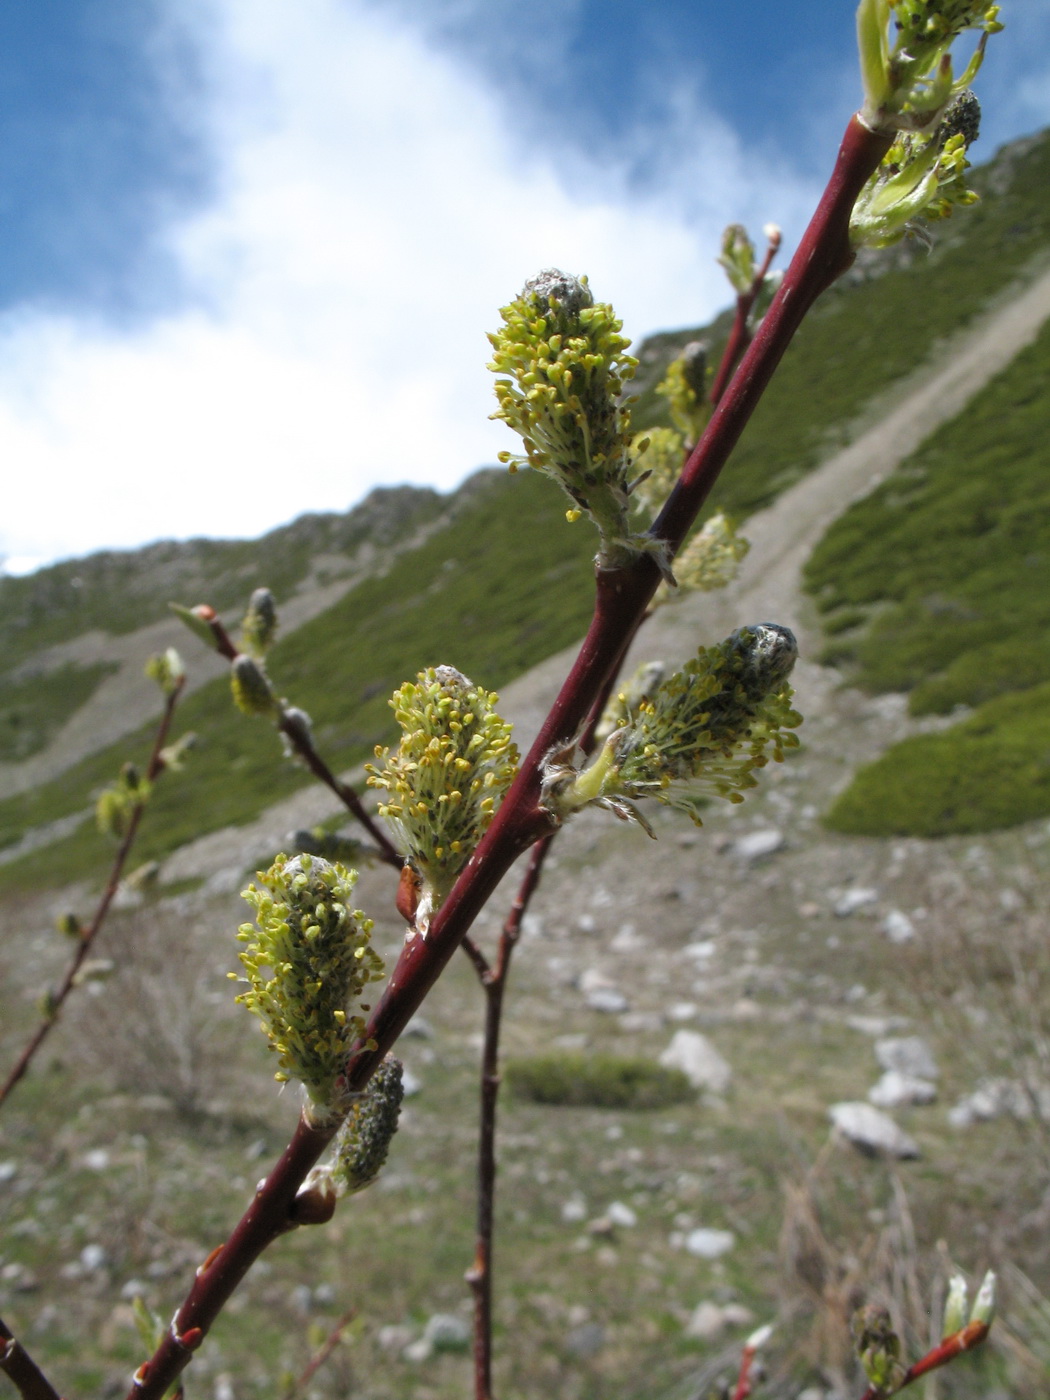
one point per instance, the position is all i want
(698, 1059)
(871, 1131)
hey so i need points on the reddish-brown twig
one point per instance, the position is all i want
(740, 333)
(494, 982)
(623, 595)
(966, 1339)
(303, 744)
(321, 1355)
(88, 934)
(20, 1368)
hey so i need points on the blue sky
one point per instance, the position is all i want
(250, 247)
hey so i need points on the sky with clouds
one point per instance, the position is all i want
(251, 247)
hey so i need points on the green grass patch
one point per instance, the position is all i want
(952, 552)
(34, 708)
(990, 771)
(598, 1081)
(504, 585)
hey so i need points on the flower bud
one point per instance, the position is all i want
(562, 367)
(365, 1137)
(259, 625)
(703, 731)
(446, 778)
(309, 960)
(251, 689)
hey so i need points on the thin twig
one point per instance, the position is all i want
(20, 1368)
(88, 935)
(740, 334)
(494, 982)
(321, 1355)
(301, 741)
(623, 595)
(966, 1339)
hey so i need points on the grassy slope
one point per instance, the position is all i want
(118, 592)
(862, 337)
(34, 708)
(940, 582)
(506, 584)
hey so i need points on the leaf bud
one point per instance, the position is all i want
(198, 620)
(954, 1307)
(251, 689)
(259, 625)
(984, 1304)
(167, 670)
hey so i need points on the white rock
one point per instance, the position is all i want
(627, 940)
(93, 1257)
(608, 1000)
(418, 1351)
(574, 1210)
(705, 948)
(8, 1171)
(897, 927)
(447, 1332)
(698, 1059)
(851, 900)
(709, 1244)
(622, 1215)
(1000, 1098)
(394, 1337)
(736, 1315)
(894, 1090)
(755, 845)
(907, 1054)
(97, 1160)
(682, 1011)
(707, 1321)
(872, 1131)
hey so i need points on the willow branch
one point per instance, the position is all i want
(20, 1368)
(88, 934)
(303, 745)
(494, 982)
(622, 596)
(968, 1337)
(740, 334)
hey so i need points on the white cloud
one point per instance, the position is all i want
(375, 205)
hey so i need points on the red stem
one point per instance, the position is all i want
(20, 1368)
(322, 1354)
(622, 597)
(89, 934)
(494, 982)
(968, 1337)
(743, 1380)
(740, 334)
